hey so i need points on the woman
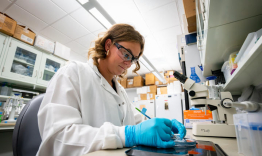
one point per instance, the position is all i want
(85, 109)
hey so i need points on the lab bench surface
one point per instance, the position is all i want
(229, 145)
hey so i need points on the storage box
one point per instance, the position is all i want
(24, 34)
(152, 89)
(119, 81)
(248, 128)
(158, 82)
(123, 82)
(162, 90)
(7, 24)
(169, 72)
(172, 80)
(148, 96)
(130, 83)
(44, 44)
(150, 79)
(167, 79)
(190, 11)
(139, 81)
(193, 116)
(62, 51)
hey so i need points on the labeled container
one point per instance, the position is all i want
(248, 128)
(4, 89)
(232, 64)
(226, 71)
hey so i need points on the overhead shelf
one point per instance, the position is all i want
(223, 40)
(249, 72)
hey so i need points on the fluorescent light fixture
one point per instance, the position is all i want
(83, 1)
(159, 77)
(145, 63)
(100, 17)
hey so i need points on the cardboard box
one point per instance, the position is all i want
(152, 89)
(158, 82)
(172, 80)
(190, 8)
(119, 81)
(44, 44)
(150, 79)
(162, 90)
(193, 116)
(148, 96)
(169, 72)
(123, 82)
(24, 34)
(190, 11)
(167, 79)
(130, 83)
(7, 24)
(62, 51)
(139, 81)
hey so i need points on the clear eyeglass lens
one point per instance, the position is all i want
(126, 55)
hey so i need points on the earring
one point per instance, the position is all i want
(107, 52)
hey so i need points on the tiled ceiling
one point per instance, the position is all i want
(67, 22)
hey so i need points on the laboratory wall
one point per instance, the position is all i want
(76, 57)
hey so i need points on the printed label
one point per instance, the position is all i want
(27, 39)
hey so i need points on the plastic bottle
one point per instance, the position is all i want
(4, 89)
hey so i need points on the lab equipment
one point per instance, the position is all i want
(248, 126)
(143, 112)
(178, 127)
(4, 89)
(226, 71)
(202, 148)
(169, 106)
(232, 64)
(12, 106)
(222, 125)
(155, 132)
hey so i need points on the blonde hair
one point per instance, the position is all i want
(117, 33)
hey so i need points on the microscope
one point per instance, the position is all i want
(222, 124)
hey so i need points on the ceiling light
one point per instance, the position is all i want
(159, 77)
(145, 63)
(100, 17)
(83, 1)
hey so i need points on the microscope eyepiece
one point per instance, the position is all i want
(180, 77)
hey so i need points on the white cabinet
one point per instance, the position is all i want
(3, 45)
(21, 62)
(48, 67)
(27, 65)
(222, 27)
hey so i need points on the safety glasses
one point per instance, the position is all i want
(125, 54)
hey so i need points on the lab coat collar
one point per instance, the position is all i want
(103, 81)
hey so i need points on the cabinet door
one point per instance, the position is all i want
(3, 43)
(49, 66)
(21, 62)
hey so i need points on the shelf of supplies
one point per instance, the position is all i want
(134, 88)
(4, 97)
(249, 72)
(223, 40)
(51, 71)
(23, 62)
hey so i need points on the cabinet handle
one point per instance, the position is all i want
(35, 73)
(40, 75)
(3, 69)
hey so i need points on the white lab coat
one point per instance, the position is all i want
(82, 113)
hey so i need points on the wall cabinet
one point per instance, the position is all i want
(24, 63)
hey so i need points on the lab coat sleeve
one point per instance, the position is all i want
(60, 122)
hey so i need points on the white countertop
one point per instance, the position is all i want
(229, 145)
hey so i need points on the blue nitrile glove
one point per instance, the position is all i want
(155, 132)
(179, 128)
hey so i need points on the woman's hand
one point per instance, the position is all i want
(155, 132)
(178, 127)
